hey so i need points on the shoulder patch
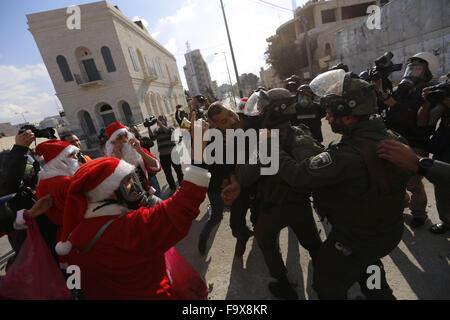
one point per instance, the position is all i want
(320, 161)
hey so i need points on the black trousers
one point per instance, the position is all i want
(238, 214)
(167, 164)
(271, 221)
(336, 270)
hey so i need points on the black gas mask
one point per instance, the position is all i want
(130, 193)
(416, 72)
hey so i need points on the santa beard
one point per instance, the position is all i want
(73, 165)
(130, 155)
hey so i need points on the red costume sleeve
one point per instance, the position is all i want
(149, 169)
(161, 227)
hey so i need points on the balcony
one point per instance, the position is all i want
(93, 79)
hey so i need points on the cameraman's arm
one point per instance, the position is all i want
(13, 165)
(423, 115)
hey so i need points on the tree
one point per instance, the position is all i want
(248, 81)
(285, 56)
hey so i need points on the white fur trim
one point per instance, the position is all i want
(19, 217)
(110, 184)
(197, 176)
(63, 248)
(57, 166)
(110, 210)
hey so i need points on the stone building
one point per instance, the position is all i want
(407, 28)
(317, 23)
(109, 70)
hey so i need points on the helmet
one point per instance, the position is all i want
(339, 66)
(430, 59)
(364, 75)
(344, 93)
(305, 88)
(272, 107)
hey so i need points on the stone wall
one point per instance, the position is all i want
(407, 27)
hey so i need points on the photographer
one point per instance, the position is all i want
(435, 107)
(163, 137)
(200, 106)
(402, 117)
(73, 140)
(18, 179)
(180, 114)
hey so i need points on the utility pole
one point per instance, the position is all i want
(232, 52)
(308, 50)
(229, 78)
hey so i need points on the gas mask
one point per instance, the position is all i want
(415, 73)
(130, 192)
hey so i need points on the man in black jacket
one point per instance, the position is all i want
(19, 177)
(163, 137)
(180, 114)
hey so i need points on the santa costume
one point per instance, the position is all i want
(127, 259)
(113, 131)
(55, 176)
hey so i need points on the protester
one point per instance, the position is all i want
(163, 137)
(123, 145)
(73, 140)
(127, 259)
(180, 114)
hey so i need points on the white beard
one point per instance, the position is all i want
(73, 165)
(130, 155)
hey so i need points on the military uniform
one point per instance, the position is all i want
(361, 196)
(281, 206)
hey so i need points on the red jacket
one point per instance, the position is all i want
(128, 262)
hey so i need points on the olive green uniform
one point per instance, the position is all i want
(281, 206)
(365, 211)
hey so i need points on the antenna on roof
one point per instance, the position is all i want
(188, 46)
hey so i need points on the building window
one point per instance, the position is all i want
(107, 57)
(133, 59)
(107, 115)
(150, 68)
(328, 16)
(64, 68)
(356, 11)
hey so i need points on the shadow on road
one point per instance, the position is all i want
(431, 280)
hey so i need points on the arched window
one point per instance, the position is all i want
(64, 68)
(105, 108)
(127, 113)
(107, 57)
(107, 114)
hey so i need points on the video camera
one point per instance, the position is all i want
(384, 67)
(438, 93)
(150, 121)
(201, 99)
(48, 133)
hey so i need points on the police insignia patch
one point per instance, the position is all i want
(320, 161)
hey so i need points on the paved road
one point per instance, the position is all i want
(418, 269)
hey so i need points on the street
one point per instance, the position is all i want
(418, 269)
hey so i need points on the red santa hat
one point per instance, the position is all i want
(55, 149)
(114, 129)
(93, 182)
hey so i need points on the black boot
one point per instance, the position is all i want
(282, 289)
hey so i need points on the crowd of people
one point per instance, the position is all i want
(107, 215)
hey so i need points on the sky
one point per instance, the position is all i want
(26, 90)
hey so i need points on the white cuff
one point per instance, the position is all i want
(158, 165)
(19, 217)
(197, 176)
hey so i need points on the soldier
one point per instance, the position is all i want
(360, 194)
(280, 205)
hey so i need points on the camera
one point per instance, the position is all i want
(384, 67)
(438, 93)
(201, 99)
(150, 121)
(48, 133)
